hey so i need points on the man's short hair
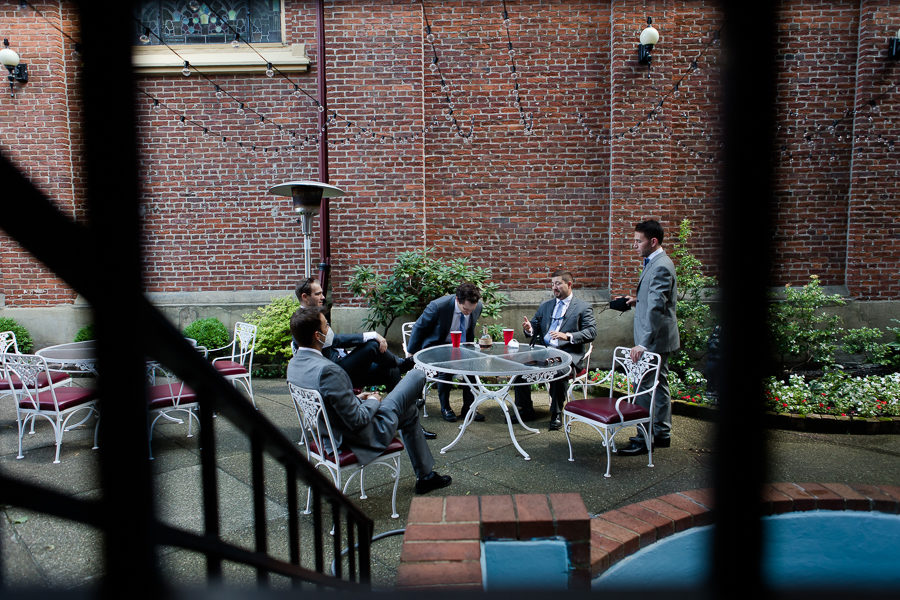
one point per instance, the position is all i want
(468, 292)
(305, 322)
(564, 275)
(651, 229)
(305, 287)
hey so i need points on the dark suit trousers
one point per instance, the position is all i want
(557, 395)
(366, 366)
(662, 405)
(444, 395)
(398, 412)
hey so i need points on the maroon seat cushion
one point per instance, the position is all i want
(347, 457)
(55, 377)
(66, 397)
(160, 396)
(229, 367)
(603, 410)
(581, 373)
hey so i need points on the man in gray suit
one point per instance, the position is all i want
(453, 312)
(563, 322)
(655, 327)
(366, 423)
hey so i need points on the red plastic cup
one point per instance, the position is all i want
(508, 335)
(455, 337)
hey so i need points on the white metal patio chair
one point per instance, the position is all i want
(238, 365)
(11, 387)
(171, 400)
(57, 404)
(316, 435)
(581, 377)
(608, 415)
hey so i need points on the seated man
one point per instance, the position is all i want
(367, 423)
(370, 363)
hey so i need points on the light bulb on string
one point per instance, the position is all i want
(236, 42)
(428, 35)
(186, 71)
(145, 37)
(270, 72)
(219, 93)
(434, 63)
(240, 109)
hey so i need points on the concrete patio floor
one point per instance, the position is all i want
(38, 550)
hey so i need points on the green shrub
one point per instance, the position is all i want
(273, 322)
(209, 332)
(867, 341)
(23, 338)
(85, 333)
(416, 280)
(694, 288)
(836, 393)
(803, 332)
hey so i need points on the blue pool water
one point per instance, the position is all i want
(536, 564)
(817, 548)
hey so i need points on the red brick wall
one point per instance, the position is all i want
(519, 204)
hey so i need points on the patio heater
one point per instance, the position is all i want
(307, 198)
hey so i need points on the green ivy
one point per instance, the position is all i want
(416, 279)
(23, 338)
(273, 322)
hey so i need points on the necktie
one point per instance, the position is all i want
(462, 327)
(556, 320)
(646, 260)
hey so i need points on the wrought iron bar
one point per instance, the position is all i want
(259, 503)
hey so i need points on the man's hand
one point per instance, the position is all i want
(382, 343)
(526, 325)
(636, 353)
(559, 335)
(367, 395)
(631, 300)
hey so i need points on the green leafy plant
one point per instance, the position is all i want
(85, 333)
(803, 332)
(273, 322)
(689, 386)
(868, 342)
(23, 338)
(209, 332)
(836, 393)
(694, 289)
(416, 279)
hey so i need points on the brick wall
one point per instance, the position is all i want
(612, 143)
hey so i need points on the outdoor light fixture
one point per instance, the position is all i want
(17, 71)
(649, 37)
(894, 46)
(306, 197)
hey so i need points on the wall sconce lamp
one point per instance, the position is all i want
(306, 198)
(649, 37)
(17, 71)
(894, 46)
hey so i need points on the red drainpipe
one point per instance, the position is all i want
(324, 220)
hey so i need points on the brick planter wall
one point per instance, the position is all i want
(442, 543)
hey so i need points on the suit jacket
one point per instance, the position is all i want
(433, 326)
(578, 320)
(342, 340)
(655, 324)
(351, 418)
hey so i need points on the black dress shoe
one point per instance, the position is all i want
(658, 441)
(429, 435)
(527, 414)
(406, 364)
(555, 424)
(633, 449)
(432, 482)
(448, 415)
(478, 416)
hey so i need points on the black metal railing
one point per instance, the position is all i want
(101, 260)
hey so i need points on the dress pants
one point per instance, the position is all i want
(557, 395)
(444, 394)
(367, 365)
(662, 419)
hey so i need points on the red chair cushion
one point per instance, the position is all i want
(347, 457)
(66, 397)
(160, 396)
(229, 367)
(603, 410)
(581, 373)
(55, 377)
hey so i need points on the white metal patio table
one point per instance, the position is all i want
(72, 357)
(506, 366)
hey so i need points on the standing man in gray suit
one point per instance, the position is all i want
(563, 322)
(655, 328)
(366, 423)
(453, 312)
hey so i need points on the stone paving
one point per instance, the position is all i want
(41, 550)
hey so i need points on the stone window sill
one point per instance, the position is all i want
(220, 58)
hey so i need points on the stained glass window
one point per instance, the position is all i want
(213, 22)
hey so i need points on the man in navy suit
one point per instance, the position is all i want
(453, 312)
(563, 322)
(655, 328)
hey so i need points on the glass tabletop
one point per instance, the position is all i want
(71, 351)
(497, 361)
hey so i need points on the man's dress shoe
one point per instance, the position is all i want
(527, 414)
(448, 415)
(636, 448)
(555, 424)
(429, 435)
(432, 482)
(478, 416)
